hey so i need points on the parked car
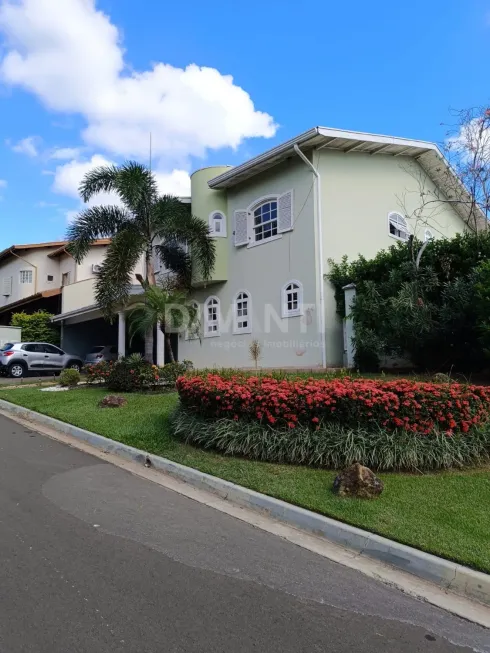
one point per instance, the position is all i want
(19, 358)
(101, 353)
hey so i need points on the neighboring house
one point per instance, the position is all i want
(32, 276)
(277, 220)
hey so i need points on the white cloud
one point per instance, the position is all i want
(27, 146)
(67, 178)
(176, 183)
(64, 153)
(70, 56)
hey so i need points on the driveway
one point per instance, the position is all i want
(95, 560)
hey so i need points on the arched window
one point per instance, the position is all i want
(242, 313)
(194, 324)
(292, 299)
(428, 235)
(398, 226)
(211, 317)
(217, 224)
(265, 220)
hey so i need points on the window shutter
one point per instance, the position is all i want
(241, 228)
(285, 212)
(7, 286)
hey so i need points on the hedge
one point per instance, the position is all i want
(370, 404)
(332, 445)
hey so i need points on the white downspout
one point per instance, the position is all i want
(318, 203)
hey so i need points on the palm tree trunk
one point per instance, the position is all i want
(150, 278)
(168, 342)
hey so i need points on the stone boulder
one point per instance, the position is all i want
(112, 401)
(358, 481)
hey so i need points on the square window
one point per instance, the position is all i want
(26, 276)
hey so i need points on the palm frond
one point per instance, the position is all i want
(95, 222)
(176, 259)
(170, 308)
(98, 180)
(113, 284)
(174, 223)
(137, 188)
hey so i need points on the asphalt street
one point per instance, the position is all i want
(96, 560)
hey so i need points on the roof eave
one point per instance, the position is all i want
(321, 138)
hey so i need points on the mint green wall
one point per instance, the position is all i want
(263, 270)
(203, 202)
(358, 192)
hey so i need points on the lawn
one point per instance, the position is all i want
(442, 513)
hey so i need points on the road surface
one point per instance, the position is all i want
(96, 560)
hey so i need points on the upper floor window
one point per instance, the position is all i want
(26, 276)
(428, 235)
(292, 299)
(265, 221)
(211, 317)
(217, 224)
(65, 279)
(242, 322)
(398, 226)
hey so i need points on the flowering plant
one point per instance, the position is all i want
(411, 406)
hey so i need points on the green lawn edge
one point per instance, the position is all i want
(443, 513)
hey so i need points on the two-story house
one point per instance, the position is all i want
(277, 219)
(33, 276)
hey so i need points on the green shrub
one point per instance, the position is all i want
(69, 378)
(170, 372)
(435, 314)
(36, 327)
(98, 372)
(332, 445)
(131, 374)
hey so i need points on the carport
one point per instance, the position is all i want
(83, 329)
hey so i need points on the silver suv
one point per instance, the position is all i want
(19, 358)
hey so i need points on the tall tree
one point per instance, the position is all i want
(143, 225)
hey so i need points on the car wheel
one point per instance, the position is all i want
(17, 370)
(74, 366)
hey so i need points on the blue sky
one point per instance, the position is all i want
(83, 82)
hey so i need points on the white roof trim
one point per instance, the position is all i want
(324, 138)
(428, 155)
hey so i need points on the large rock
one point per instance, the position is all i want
(112, 401)
(358, 481)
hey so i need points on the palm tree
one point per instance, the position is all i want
(165, 306)
(143, 224)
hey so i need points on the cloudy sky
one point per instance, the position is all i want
(84, 82)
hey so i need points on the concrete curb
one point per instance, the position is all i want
(444, 573)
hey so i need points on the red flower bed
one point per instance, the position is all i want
(408, 405)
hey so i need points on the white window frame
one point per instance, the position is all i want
(212, 224)
(193, 333)
(273, 197)
(284, 299)
(24, 275)
(208, 322)
(428, 235)
(391, 215)
(236, 318)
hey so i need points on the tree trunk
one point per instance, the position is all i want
(168, 342)
(150, 278)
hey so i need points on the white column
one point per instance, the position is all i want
(349, 329)
(121, 335)
(160, 346)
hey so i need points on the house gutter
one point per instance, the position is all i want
(318, 212)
